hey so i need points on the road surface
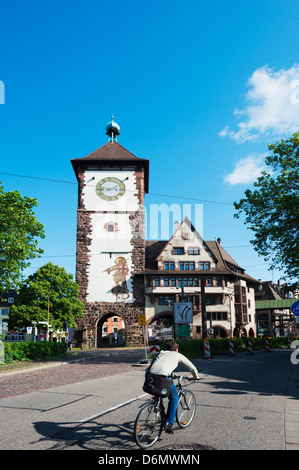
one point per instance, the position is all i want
(245, 402)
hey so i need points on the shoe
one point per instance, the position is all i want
(168, 428)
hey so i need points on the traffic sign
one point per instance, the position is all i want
(183, 312)
(184, 329)
(154, 349)
(141, 319)
(295, 308)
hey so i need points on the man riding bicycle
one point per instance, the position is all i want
(165, 363)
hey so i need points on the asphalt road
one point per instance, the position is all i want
(243, 403)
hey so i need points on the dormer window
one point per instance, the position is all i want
(194, 251)
(178, 251)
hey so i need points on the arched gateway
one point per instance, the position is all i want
(110, 237)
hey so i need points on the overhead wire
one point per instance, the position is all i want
(93, 185)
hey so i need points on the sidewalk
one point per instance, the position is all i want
(71, 357)
(292, 412)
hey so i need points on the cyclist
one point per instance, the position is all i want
(166, 362)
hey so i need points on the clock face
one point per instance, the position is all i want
(110, 188)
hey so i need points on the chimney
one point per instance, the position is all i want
(219, 241)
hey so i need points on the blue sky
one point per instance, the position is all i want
(200, 89)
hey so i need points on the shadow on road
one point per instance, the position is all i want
(89, 436)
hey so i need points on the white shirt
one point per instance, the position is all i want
(167, 362)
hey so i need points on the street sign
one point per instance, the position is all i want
(184, 329)
(141, 319)
(183, 312)
(295, 308)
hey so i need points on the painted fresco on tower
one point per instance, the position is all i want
(119, 272)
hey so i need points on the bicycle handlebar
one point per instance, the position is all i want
(180, 377)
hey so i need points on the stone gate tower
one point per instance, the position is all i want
(110, 238)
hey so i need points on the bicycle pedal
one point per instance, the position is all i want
(168, 429)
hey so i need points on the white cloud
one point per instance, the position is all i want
(246, 170)
(273, 105)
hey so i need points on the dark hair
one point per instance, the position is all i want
(171, 346)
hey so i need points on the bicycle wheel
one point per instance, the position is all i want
(186, 408)
(148, 425)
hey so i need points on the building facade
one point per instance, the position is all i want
(188, 269)
(273, 311)
(122, 275)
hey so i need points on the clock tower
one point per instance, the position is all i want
(110, 238)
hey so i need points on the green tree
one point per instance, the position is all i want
(272, 209)
(49, 283)
(19, 230)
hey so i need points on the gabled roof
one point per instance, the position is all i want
(191, 228)
(114, 153)
(225, 264)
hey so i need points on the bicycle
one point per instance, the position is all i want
(149, 422)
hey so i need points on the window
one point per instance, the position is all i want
(166, 281)
(10, 300)
(195, 282)
(157, 282)
(178, 251)
(194, 299)
(209, 283)
(193, 251)
(169, 266)
(207, 266)
(187, 266)
(217, 316)
(115, 319)
(219, 282)
(166, 300)
(172, 282)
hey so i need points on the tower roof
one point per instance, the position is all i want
(115, 154)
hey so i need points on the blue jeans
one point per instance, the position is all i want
(172, 404)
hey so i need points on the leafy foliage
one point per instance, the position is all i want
(51, 283)
(19, 230)
(28, 350)
(272, 209)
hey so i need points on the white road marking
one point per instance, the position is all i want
(112, 408)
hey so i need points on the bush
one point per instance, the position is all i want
(195, 347)
(28, 351)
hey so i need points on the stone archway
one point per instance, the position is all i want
(158, 317)
(110, 331)
(219, 332)
(94, 315)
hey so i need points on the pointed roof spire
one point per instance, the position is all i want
(112, 130)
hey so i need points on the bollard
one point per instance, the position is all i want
(250, 347)
(289, 343)
(267, 345)
(207, 349)
(231, 347)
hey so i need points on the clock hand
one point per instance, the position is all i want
(110, 189)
